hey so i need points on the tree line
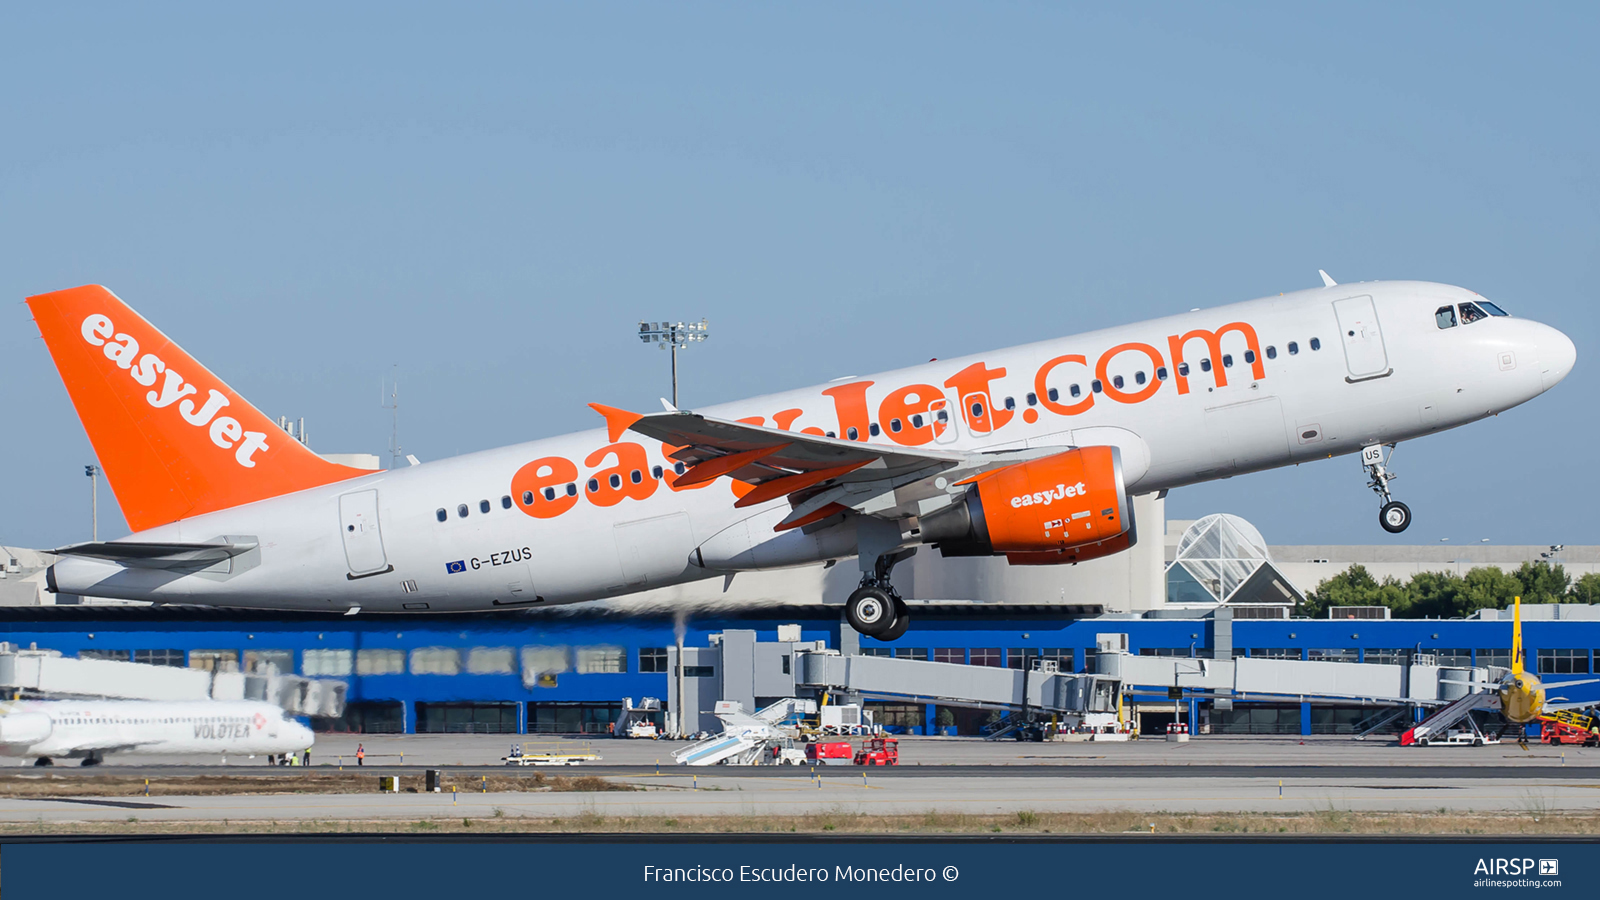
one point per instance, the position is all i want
(1446, 595)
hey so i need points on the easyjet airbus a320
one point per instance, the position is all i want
(1031, 453)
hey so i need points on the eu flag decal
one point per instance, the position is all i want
(451, 568)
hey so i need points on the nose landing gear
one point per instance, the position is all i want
(1394, 516)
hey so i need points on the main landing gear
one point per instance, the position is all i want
(1394, 516)
(874, 608)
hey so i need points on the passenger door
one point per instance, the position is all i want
(363, 542)
(1364, 354)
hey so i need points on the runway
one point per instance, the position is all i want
(800, 794)
(948, 776)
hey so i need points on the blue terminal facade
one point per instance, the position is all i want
(553, 672)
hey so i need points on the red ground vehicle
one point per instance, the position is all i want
(829, 753)
(879, 751)
(1569, 728)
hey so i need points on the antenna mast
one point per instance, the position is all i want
(389, 398)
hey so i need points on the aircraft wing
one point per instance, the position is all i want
(820, 475)
(147, 555)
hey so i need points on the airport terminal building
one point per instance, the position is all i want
(1211, 590)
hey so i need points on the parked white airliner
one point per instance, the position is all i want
(1030, 452)
(45, 730)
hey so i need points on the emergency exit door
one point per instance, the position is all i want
(363, 542)
(1364, 354)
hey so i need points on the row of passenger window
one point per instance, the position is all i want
(1117, 382)
(896, 425)
(637, 476)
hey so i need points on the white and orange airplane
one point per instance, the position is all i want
(1030, 452)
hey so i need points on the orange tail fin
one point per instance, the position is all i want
(174, 440)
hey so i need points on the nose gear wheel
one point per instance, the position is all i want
(1394, 516)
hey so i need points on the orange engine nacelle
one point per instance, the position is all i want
(1060, 509)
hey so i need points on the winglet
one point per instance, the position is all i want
(617, 420)
(1327, 281)
(1518, 666)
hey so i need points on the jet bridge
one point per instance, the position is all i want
(46, 674)
(1044, 689)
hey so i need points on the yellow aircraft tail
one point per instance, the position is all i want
(1517, 663)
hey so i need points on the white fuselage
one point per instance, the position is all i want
(82, 728)
(1380, 373)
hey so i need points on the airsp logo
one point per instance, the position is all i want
(1501, 866)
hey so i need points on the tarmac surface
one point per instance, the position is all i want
(449, 751)
(1209, 774)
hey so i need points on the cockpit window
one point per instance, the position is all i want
(1471, 313)
(1445, 317)
(1493, 310)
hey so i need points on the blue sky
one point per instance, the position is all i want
(490, 199)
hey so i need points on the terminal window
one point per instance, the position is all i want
(898, 717)
(1384, 656)
(467, 718)
(159, 657)
(269, 662)
(380, 661)
(1332, 654)
(491, 661)
(886, 652)
(1274, 652)
(1494, 656)
(369, 717)
(214, 660)
(1062, 656)
(950, 655)
(987, 656)
(118, 655)
(699, 671)
(1458, 657)
(1564, 662)
(652, 659)
(1091, 659)
(326, 661)
(1256, 720)
(1164, 651)
(541, 665)
(435, 661)
(579, 717)
(1018, 659)
(920, 653)
(601, 660)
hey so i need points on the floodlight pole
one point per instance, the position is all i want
(672, 336)
(94, 501)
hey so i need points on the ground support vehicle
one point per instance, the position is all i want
(879, 751)
(1569, 727)
(519, 757)
(830, 753)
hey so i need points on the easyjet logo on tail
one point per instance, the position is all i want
(169, 388)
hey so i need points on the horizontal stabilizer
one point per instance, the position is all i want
(145, 555)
